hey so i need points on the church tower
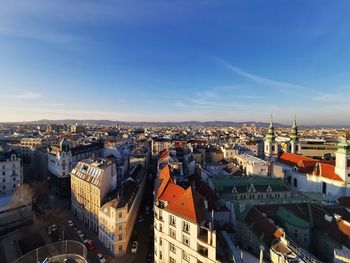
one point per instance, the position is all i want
(270, 145)
(342, 159)
(294, 146)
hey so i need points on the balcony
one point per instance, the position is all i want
(203, 236)
(202, 251)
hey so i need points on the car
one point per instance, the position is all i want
(134, 247)
(78, 231)
(140, 220)
(90, 245)
(147, 210)
(101, 258)
(84, 239)
(75, 229)
(70, 223)
(81, 235)
(53, 228)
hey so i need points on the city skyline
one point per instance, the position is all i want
(176, 61)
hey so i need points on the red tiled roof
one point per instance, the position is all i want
(171, 193)
(344, 227)
(164, 172)
(308, 165)
(293, 159)
(164, 175)
(328, 171)
(189, 206)
(163, 155)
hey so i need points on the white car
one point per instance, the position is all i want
(101, 258)
(70, 223)
(134, 247)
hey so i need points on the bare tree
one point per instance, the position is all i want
(22, 196)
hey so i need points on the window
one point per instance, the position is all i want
(3, 180)
(120, 227)
(160, 241)
(348, 163)
(160, 255)
(295, 182)
(172, 233)
(185, 256)
(186, 227)
(186, 240)
(171, 260)
(3, 173)
(172, 248)
(120, 237)
(120, 215)
(172, 220)
(120, 249)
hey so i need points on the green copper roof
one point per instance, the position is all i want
(294, 131)
(270, 136)
(290, 218)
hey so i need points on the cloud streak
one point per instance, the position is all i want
(278, 85)
(29, 95)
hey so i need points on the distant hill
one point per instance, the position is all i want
(168, 123)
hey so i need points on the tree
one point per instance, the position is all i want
(22, 196)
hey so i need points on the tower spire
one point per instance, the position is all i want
(294, 136)
(270, 136)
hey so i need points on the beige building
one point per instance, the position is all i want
(91, 181)
(117, 217)
(183, 229)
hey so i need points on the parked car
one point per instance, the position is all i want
(70, 223)
(101, 258)
(53, 228)
(90, 245)
(134, 247)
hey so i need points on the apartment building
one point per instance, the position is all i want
(11, 172)
(62, 159)
(91, 180)
(117, 217)
(183, 228)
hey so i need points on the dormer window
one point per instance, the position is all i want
(234, 190)
(269, 189)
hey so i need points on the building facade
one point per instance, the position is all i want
(117, 217)
(91, 180)
(11, 172)
(183, 228)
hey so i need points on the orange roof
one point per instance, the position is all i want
(344, 227)
(328, 171)
(278, 233)
(164, 172)
(164, 175)
(294, 159)
(309, 165)
(163, 155)
(171, 192)
(189, 206)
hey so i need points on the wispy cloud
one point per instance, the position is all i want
(28, 95)
(278, 85)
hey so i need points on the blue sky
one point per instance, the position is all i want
(175, 60)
